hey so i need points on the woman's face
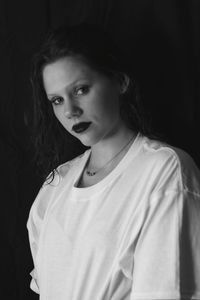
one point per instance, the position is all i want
(84, 101)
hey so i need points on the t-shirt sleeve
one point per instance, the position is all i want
(35, 224)
(166, 260)
(39, 210)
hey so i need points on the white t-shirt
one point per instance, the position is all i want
(135, 235)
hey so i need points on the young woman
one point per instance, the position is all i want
(120, 221)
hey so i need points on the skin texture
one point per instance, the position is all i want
(80, 94)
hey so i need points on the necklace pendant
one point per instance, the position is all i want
(90, 173)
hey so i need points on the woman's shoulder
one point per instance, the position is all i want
(54, 178)
(172, 163)
(64, 168)
(163, 152)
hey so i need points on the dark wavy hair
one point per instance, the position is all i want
(92, 44)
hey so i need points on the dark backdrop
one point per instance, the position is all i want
(162, 40)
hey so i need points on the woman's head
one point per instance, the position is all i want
(88, 50)
(85, 101)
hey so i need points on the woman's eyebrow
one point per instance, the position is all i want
(68, 86)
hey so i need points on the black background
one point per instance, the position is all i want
(162, 40)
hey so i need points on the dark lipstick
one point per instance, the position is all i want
(80, 127)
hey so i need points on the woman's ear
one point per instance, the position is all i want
(124, 81)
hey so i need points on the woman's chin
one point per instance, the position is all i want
(87, 140)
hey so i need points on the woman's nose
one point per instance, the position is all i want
(71, 110)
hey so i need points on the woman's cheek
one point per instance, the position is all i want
(58, 113)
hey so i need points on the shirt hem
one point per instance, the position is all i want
(165, 296)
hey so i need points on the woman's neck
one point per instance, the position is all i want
(108, 148)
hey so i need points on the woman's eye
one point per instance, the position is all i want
(82, 90)
(56, 100)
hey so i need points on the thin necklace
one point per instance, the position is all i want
(92, 173)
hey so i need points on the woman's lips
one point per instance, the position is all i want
(81, 127)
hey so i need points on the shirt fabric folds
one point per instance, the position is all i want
(135, 235)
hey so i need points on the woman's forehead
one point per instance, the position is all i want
(66, 71)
